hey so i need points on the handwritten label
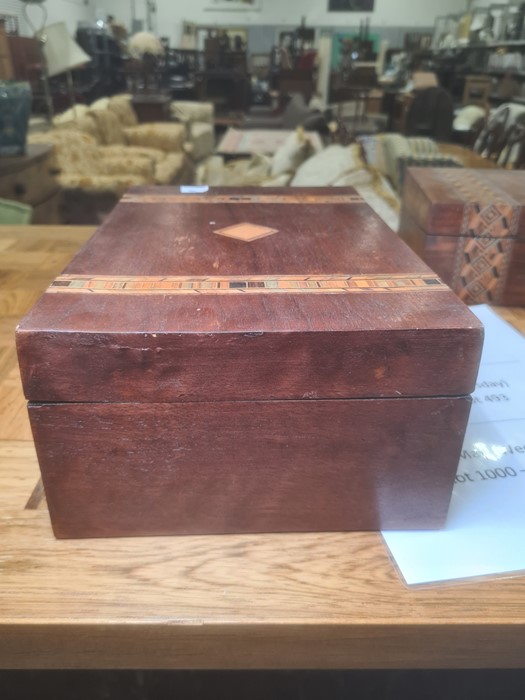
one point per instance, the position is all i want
(485, 529)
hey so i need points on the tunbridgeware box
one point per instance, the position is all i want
(261, 360)
(469, 227)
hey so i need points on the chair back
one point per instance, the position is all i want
(431, 114)
(491, 141)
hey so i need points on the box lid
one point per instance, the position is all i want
(463, 202)
(189, 295)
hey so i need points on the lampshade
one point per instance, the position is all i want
(61, 51)
(144, 42)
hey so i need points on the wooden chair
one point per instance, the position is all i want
(296, 81)
(493, 137)
(354, 88)
(513, 152)
(477, 90)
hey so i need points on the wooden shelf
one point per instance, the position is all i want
(502, 71)
(483, 47)
(502, 44)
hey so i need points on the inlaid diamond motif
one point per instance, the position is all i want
(246, 231)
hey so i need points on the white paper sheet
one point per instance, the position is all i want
(485, 530)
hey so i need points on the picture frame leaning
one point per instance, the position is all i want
(351, 5)
(235, 5)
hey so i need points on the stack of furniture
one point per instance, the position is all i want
(181, 69)
(105, 74)
(225, 80)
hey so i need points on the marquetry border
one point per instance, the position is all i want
(481, 268)
(474, 187)
(238, 284)
(486, 239)
(205, 198)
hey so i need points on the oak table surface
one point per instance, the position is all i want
(230, 602)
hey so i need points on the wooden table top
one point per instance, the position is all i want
(253, 601)
(467, 157)
(34, 152)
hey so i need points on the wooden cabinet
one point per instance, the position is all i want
(28, 179)
(6, 65)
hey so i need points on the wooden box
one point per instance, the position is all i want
(469, 227)
(152, 107)
(244, 361)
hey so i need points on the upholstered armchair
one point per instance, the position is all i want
(101, 151)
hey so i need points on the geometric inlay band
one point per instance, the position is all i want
(473, 186)
(484, 250)
(246, 284)
(242, 199)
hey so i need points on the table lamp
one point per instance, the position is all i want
(45, 79)
(62, 54)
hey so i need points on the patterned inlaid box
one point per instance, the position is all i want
(469, 227)
(253, 361)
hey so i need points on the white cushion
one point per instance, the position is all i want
(101, 103)
(288, 157)
(277, 181)
(211, 172)
(202, 139)
(467, 118)
(247, 172)
(192, 111)
(76, 112)
(328, 166)
(356, 178)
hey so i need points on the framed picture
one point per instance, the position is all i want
(235, 5)
(514, 22)
(350, 5)
(233, 34)
(498, 16)
(446, 30)
(480, 24)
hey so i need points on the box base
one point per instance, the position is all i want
(245, 467)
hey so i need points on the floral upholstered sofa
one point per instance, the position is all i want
(101, 151)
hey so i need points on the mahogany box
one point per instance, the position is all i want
(262, 360)
(469, 227)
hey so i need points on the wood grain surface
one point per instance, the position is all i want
(248, 466)
(141, 346)
(254, 601)
(304, 397)
(467, 157)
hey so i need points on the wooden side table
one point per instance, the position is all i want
(152, 107)
(290, 601)
(29, 179)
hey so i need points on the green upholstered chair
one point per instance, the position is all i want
(14, 213)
